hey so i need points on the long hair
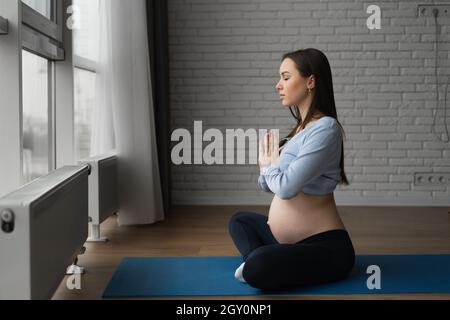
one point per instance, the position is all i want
(309, 62)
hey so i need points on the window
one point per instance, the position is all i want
(84, 93)
(36, 92)
(85, 36)
(44, 7)
(85, 57)
(42, 45)
(36, 131)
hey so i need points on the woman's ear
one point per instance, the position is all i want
(311, 83)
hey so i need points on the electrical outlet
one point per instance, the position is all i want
(426, 10)
(432, 178)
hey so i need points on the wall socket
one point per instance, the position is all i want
(426, 10)
(432, 178)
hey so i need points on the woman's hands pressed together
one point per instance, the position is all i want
(268, 150)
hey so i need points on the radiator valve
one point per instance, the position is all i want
(7, 220)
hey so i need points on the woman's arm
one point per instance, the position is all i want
(320, 146)
(262, 184)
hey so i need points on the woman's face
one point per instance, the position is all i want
(292, 86)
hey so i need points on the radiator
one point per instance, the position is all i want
(102, 192)
(44, 225)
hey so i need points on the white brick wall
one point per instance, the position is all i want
(224, 61)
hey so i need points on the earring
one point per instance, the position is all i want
(309, 90)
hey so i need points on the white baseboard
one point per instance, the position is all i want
(375, 201)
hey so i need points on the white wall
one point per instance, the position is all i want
(224, 61)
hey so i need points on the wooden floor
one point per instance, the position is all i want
(202, 231)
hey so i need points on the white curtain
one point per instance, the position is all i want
(124, 116)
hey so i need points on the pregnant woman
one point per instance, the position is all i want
(303, 240)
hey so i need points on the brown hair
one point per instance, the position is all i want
(313, 61)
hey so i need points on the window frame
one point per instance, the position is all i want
(84, 64)
(43, 36)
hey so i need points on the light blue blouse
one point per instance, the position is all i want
(309, 162)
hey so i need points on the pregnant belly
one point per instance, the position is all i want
(295, 219)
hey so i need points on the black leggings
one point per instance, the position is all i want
(324, 257)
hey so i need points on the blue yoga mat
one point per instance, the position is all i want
(214, 276)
